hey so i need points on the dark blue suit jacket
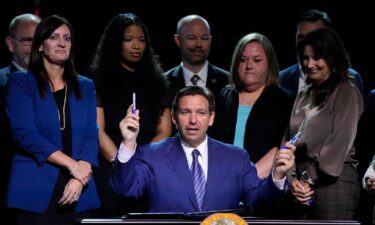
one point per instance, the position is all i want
(35, 125)
(161, 171)
(289, 79)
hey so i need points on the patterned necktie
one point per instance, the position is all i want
(198, 178)
(194, 79)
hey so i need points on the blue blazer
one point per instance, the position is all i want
(289, 79)
(35, 125)
(160, 170)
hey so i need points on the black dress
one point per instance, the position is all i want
(115, 104)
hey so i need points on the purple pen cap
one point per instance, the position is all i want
(134, 108)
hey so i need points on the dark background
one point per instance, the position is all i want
(229, 21)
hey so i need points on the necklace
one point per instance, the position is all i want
(63, 110)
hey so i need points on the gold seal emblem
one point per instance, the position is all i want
(224, 219)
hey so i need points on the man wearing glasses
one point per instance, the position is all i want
(19, 40)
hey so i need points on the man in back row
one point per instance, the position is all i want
(292, 78)
(193, 37)
(19, 40)
(192, 172)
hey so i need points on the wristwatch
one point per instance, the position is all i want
(307, 178)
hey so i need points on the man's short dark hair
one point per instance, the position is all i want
(194, 90)
(315, 15)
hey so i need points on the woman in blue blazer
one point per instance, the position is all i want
(52, 111)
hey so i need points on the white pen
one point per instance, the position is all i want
(134, 109)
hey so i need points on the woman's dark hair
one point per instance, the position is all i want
(108, 58)
(43, 31)
(328, 46)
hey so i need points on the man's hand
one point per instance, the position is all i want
(284, 160)
(129, 127)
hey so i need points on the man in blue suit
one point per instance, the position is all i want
(164, 170)
(292, 78)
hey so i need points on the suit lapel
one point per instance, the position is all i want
(180, 164)
(211, 82)
(180, 81)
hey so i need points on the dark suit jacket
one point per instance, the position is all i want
(289, 79)
(265, 126)
(216, 79)
(161, 171)
(35, 125)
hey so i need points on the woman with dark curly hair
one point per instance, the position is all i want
(125, 63)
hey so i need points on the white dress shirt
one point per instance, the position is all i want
(202, 159)
(202, 75)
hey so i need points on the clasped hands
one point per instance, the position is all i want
(81, 171)
(302, 192)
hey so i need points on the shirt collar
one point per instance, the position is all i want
(202, 148)
(188, 74)
(18, 67)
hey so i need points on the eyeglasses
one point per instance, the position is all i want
(24, 40)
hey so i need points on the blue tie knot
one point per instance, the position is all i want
(196, 154)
